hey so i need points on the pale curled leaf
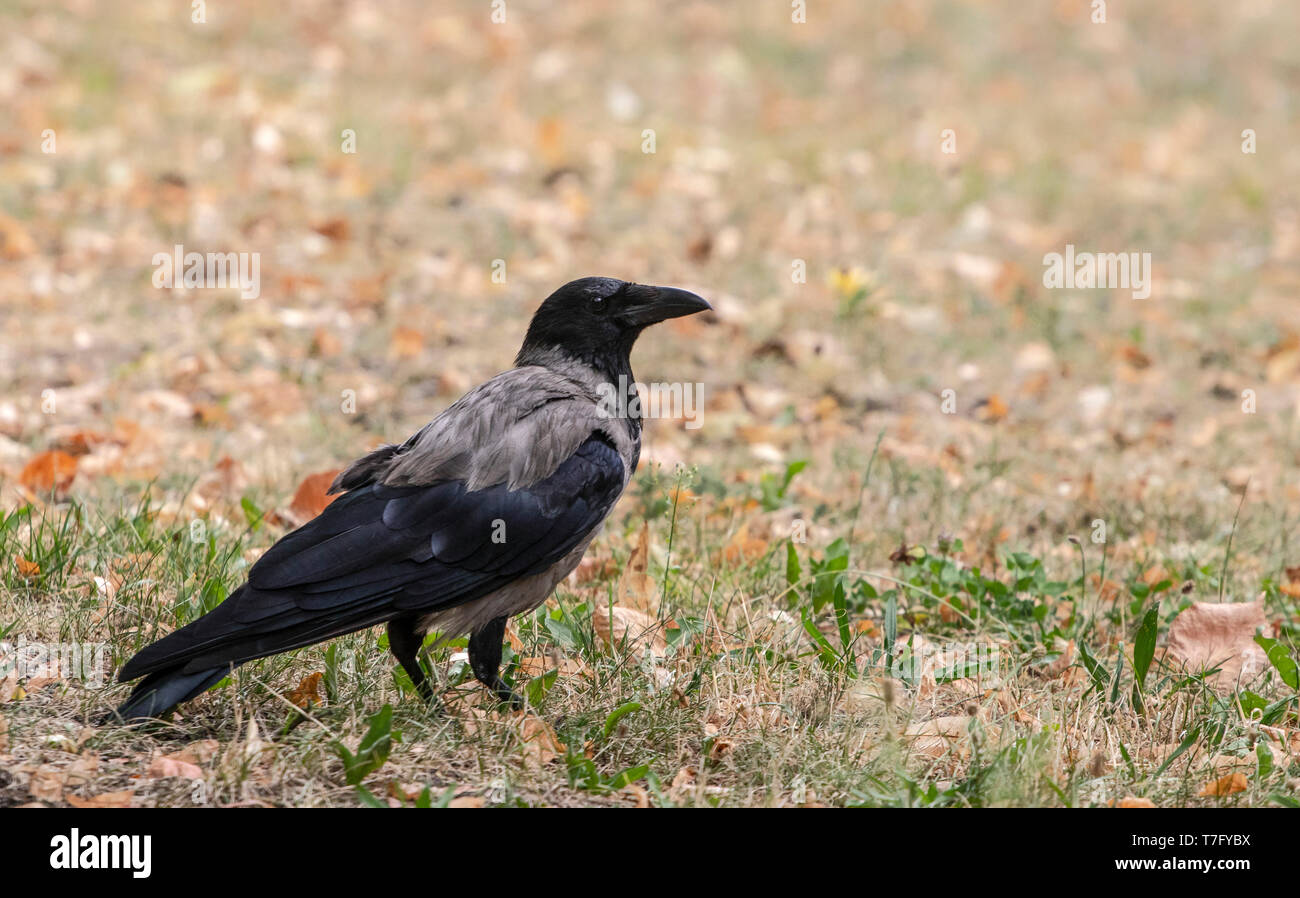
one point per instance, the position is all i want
(1211, 635)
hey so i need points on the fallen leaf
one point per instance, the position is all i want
(1060, 664)
(993, 409)
(311, 497)
(49, 471)
(620, 627)
(407, 342)
(1211, 635)
(541, 745)
(15, 242)
(935, 738)
(683, 782)
(255, 748)
(743, 547)
(47, 783)
(224, 482)
(104, 800)
(1132, 801)
(535, 666)
(591, 569)
(636, 588)
(336, 229)
(307, 692)
(1225, 785)
(26, 569)
(199, 753)
(82, 770)
(166, 765)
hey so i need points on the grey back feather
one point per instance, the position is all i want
(516, 428)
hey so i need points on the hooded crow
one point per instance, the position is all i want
(472, 520)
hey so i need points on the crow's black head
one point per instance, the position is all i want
(596, 320)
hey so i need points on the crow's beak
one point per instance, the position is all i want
(650, 305)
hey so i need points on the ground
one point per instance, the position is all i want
(1011, 491)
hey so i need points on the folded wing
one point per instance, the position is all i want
(380, 550)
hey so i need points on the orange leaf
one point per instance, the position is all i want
(308, 691)
(744, 548)
(994, 409)
(171, 766)
(336, 229)
(311, 497)
(53, 470)
(407, 342)
(106, 800)
(1132, 801)
(1225, 785)
(27, 569)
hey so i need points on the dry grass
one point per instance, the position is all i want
(775, 143)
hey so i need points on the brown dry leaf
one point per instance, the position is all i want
(15, 242)
(1209, 635)
(255, 748)
(934, 738)
(104, 800)
(224, 482)
(592, 568)
(1283, 366)
(994, 409)
(628, 628)
(682, 783)
(82, 770)
(26, 569)
(467, 801)
(47, 783)
(324, 343)
(640, 797)
(1107, 591)
(4, 733)
(336, 229)
(744, 548)
(535, 666)
(407, 342)
(307, 692)
(311, 497)
(636, 588)
(1060, 664)
(170, 765)
(199, 753)
(83, 442)
(1225, 785)
(541, 745)
(11, 689)
(1132, 801)
(1155, 574)
(53, 470)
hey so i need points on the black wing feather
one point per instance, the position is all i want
(379, 551)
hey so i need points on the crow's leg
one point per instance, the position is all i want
(404, 641)
(485, 660)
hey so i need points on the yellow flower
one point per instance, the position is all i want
(850, 282)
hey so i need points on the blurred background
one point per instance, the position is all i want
(520, 147)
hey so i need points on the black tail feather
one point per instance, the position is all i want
(163, 690)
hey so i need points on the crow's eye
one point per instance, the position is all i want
(598, 304)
